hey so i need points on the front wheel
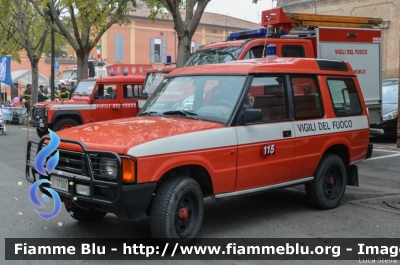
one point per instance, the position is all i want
(41, 133)
(64, 124)
(177, 210)
(329, 184)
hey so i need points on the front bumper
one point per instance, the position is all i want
(389, 127)
(127, 201)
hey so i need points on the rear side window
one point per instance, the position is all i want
(307, 97)
(132, 90)
(345, 98)
(293, 51)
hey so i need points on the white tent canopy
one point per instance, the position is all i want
(25, 77)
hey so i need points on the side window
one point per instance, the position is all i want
(255, 52)
(307, 97)
(268, 93)
(293, 51)
(132, 90)
(344, 97)
(106, 91)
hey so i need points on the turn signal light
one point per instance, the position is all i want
(128, 170)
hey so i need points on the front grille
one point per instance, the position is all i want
(75, 163)
(38, 113)
(72, 162)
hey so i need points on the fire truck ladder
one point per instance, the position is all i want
(278, 18)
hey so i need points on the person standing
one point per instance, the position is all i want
(72, 89)
(41, 96)
(64, 93)
(27, 97)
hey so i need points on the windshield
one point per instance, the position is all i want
(389, 94)
(85, 88)
(210, 98)
(214, 56)
(152, 81)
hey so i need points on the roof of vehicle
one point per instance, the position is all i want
(118, 78)
(165, 69)
(251, 41)
(264, 65)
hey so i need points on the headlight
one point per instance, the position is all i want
(45, 112)
(108, 167)
(390, 116)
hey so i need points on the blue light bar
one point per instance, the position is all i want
(271, 49)
(248, 34)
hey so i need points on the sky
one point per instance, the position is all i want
(243, 9)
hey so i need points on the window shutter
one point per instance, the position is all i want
(152, 50)
(197, 45)
(119, 48)
(164, 51)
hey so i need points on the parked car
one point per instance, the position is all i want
(389, 110)
(390, 81)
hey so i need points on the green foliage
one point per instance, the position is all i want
(22, 29)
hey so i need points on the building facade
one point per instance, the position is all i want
(388, 10)
(140, 42)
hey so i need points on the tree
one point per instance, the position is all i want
(83, 23)
(184, 28)
(23, 29)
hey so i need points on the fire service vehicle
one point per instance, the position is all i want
(217, 131)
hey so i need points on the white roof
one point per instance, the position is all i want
(25, 77)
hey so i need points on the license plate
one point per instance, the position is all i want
(59, 183)
(41, 124)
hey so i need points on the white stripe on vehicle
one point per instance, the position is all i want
(249, 134)
(73, 107)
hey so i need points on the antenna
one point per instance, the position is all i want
(266, 35)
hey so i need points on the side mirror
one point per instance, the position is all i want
(249, 115)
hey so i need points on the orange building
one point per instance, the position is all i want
(140, 42)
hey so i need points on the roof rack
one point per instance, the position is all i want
(278, 18)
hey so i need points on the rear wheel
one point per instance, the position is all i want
(41, 133)
(329, 184)
(64, 124)
(177, 210)
(84, 215)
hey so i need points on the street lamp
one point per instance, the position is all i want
(53, 51)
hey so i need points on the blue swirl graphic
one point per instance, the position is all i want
(35, 200)
(45, 152)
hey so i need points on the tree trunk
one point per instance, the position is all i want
(183, 51)
(35, 81)
(82, 57)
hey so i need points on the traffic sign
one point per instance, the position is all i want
(56, 65)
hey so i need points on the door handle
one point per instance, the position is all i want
(287, 133)
(115, 108)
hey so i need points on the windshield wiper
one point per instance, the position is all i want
(186, 113)
(151, 113)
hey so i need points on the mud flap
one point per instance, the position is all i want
(352, 176)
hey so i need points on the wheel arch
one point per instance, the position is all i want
(341, 150)
(72, 114)
(198, 172)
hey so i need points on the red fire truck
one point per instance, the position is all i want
(94, 100)
(353, 39)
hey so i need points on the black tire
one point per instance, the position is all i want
(41, 133)
(84, 215)
(169, 220)
(329, 184)
(63, 123)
